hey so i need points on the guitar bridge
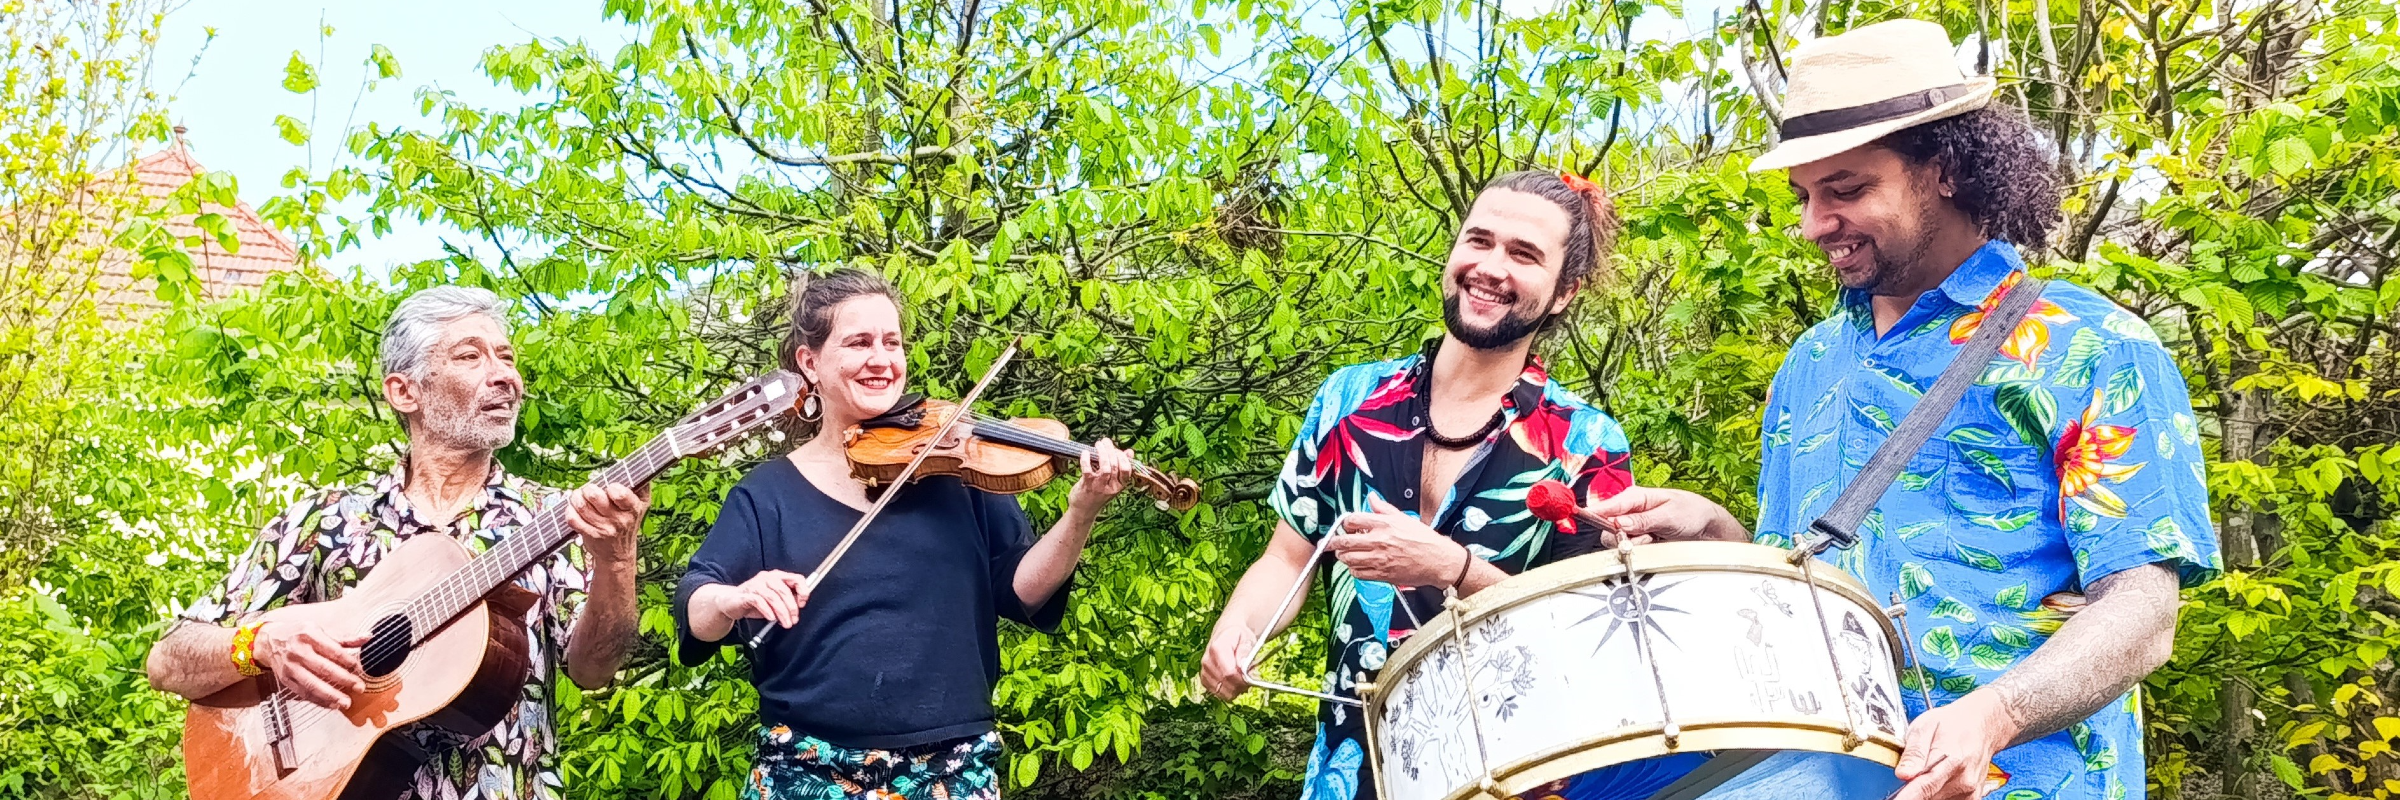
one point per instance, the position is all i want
(279, 735)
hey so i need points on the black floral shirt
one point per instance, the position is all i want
(328, 542)
(1365, 437)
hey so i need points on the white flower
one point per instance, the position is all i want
(1476, 518)
(1371, 656)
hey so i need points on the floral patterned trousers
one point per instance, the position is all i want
(793, 766)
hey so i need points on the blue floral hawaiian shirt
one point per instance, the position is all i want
(1365, 437)
(2074, 456)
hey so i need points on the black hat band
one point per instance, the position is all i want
(1836, 120)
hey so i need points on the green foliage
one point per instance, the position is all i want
(1193, 215)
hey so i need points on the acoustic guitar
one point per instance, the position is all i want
(448, 644)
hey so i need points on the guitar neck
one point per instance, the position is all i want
(528, 545)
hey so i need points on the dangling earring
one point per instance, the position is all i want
(811, 409)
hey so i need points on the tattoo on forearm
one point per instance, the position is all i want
(2124, 632)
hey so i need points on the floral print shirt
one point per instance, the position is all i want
(1365, 436)
(2074, 456)
(328, 542)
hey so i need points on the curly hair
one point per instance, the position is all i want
(2005, 179)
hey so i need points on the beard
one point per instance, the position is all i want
(464, 427)
(1893, 267)
(1522, 320)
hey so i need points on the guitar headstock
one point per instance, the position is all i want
(747, 408)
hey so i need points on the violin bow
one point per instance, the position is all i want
(965, 406)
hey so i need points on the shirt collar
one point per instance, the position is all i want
(1527, 393)
(391, 489)
(1975, 279)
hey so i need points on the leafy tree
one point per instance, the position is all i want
(1191, 216)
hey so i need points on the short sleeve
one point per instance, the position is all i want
(1301, 495)
(1775, 459)
(730, 555)
(1606, 470)
(1010, 536)
(2133, 483)
(280, 563)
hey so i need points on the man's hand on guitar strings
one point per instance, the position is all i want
(609, 518)
(310, 662)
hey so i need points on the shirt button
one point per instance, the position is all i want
(1416, 420)
(1410, 494)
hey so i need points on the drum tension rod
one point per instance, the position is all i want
(1908, 646)
(1641, 643)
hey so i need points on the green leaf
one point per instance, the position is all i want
(2124, 390)
(2074, 370)
(1989, 465)
(1941, 642)
(1898, 379)
(2030, 409)
(1951, 608)
(2011, 637)
(1914, 580)
(1882, 418)
(2289, 155)
(2006, 521)
(290, 130)
(299, 77)
(386, 65)
(2167, 539)
(2011, 597)
(1978, 558)
(2288, 772)
(1976, 435)
(1988, 657)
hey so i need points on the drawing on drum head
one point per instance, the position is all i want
(1766, 592)
(1511, 672)
(1757, 664)
(1623, 601)
(1427, 723)
(1858, 655)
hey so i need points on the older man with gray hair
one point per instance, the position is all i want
(451, 374)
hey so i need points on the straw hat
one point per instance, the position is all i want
(1852, 89)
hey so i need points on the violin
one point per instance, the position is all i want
(1009, 456)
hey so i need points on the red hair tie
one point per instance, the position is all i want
(1592, 193)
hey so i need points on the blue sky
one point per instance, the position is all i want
(230, 98)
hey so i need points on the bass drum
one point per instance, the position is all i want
(1699, 669)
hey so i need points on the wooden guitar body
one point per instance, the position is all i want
(448, 643)
(466, 677)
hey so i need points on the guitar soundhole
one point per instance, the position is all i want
(388, 646)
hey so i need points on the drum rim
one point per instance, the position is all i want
(1627, 745)
(1661, 557)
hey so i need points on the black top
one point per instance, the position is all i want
(899, 645)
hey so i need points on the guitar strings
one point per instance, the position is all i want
(647, 461)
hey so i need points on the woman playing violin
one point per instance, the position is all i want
(878, 683)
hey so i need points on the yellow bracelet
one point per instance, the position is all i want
(244, 661)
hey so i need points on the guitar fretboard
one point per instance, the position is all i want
(530, 544)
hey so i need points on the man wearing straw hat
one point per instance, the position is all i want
(2038, 534)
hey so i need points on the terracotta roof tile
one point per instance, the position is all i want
(264, 250)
